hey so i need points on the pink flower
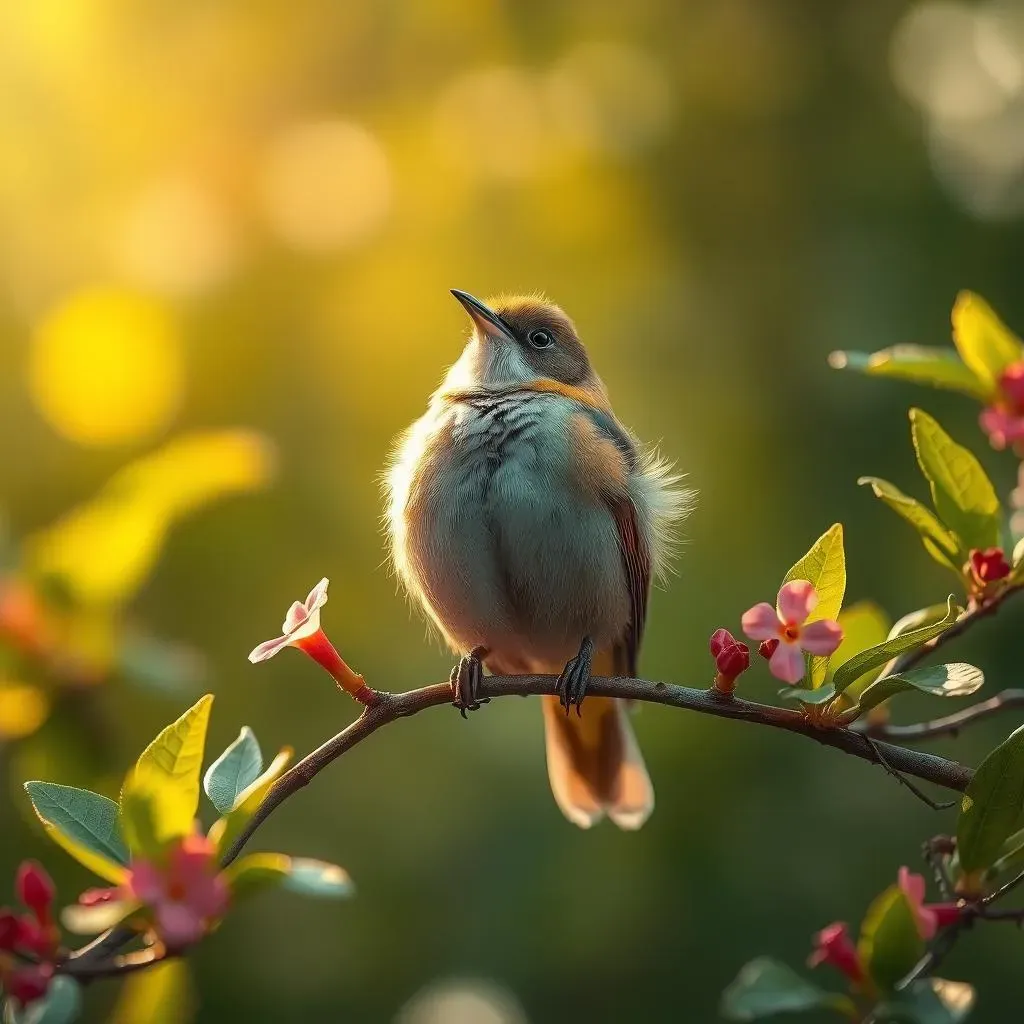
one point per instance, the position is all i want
(732, 658)
(929, 917)
(1003, 421)
(186, 895)
(832, 945)
(301, 629)
(797, 599)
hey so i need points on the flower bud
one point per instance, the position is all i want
(766, 648)
(832, 945)
(10, 930)
(731, 659)
(26, 984)
(35, 889)
(988, 566)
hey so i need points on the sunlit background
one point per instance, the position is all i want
(227, 235)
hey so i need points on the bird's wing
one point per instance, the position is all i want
(636, 555)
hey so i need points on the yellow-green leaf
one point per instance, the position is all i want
(889, 944)
(939, 541)
(962, 493)
(986, 345)
(864, 625)
(825, 567)
(160, 995)
(939, 367)
(255, 872)
(167, 773)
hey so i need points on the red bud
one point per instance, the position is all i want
(832, 945)
(731, 658)
(989, 565)
(766, 648)
(29, 983)
(10, 930)
(1011, 384)
(35, 889)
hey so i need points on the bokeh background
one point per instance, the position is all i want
(230, 229)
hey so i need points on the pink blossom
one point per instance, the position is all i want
(186, 895)
(301, 629)
(832, 945)
(1003, 421)
(929, 917)
(788, 625)
(301, 623)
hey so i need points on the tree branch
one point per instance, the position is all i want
(390, 707)
(949, 725)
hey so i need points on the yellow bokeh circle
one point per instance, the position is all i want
(106, 367)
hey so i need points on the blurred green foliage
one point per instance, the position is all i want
(721, 192)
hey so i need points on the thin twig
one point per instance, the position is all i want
(116, 965)
(937, 770)
(949, 725)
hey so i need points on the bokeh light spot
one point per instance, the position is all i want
(462, 1002)
(326, 185)
(23, 709)
(106, 367)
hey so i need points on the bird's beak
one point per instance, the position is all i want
(487, 322)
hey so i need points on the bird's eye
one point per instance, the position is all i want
(541, 339)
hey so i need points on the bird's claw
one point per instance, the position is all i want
(572, 683)
(466, 678)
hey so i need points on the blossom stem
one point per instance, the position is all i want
(323, 652)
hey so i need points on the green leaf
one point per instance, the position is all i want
(889, 944)
(918, 618)
(138, 822)
(255, 872)
(163, 994)
(825, 567)
(864, 625)
(954, 680)
(765, 987)
(940, 367)
(168, 772)
(87, 818)
(235, 770)
(317, 878)
(1017, 561)
(941, 543)
(961, 492)
(819, 695)
(928, 1001)
(884, 652)
(985, 344)
(61, 1004)
(992, 804)
(226, 829)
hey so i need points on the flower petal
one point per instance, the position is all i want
(797, 599)
(146, 881)
(269, 648)
(297, 614)
(317, 597)
(787, 663)
(927, 922)
(760, 622)
(179, 925)
(821, 637)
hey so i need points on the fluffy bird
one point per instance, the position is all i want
(527, 522)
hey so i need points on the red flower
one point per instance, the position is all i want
(35, 889)
(929, 917)
(989, 565)
(28, 983)
(10, 930)
(1003, 421)
(832, 945)
(732, 658)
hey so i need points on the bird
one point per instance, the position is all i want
(527, 523)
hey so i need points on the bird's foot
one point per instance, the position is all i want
(572, 683)
(465, 679)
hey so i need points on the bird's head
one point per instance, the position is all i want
(521, 342)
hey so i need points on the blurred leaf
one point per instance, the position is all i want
(97, 917)
(889, 944)
(884, 652)
(992, 804)
(168, 772)
(985, 344)
(23, 709)
(255, 872)
(104, 549)
(158, 665)
(942, 544)
(961, 492)
(235, 770)
(225, 829)
(864, 625)
(138, 822)
(61, 1004)
(928, 1001)
(86, 818)
(766, 987)
(940, 367)
(317, 878)
(953, 680)
(159, 995)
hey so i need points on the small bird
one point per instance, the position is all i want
(527, 523)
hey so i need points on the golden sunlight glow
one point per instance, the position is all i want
(462, 1002)
(176, 238)
(326, 185)
(106, 367)
(23, 708)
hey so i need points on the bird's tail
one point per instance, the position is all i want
(594, 762)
